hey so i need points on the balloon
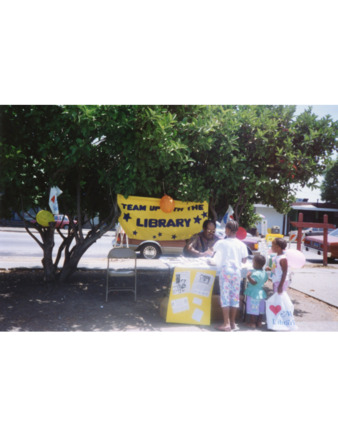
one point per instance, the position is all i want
(241, 233)
(44, 217)
(167, 204)
(296, 258)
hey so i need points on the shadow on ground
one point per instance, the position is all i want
(27, 304)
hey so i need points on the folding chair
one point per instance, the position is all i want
(117, 269)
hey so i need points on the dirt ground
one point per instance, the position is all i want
(27, 304)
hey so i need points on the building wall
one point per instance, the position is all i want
(272, 217)
(314, 216)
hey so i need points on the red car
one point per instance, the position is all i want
(315, 244)
(61, 221)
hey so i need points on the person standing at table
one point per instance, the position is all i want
(201, 244)
(255, 293)
(230, 253)
(280, 270)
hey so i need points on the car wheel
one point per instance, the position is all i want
(150, 251)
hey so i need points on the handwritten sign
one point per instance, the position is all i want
(142, 218)
(190, 296)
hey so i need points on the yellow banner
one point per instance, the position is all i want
(190, 296)
(143, 219)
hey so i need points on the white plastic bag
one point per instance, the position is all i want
(279, 312)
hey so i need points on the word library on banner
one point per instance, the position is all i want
(142, 218)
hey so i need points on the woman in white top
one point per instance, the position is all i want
(230, 253)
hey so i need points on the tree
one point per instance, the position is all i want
(42, 146)
(236, 155)
(251, 154)
(92, 154)
(231, 155)
(329, 187)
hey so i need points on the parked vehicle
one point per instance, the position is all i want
(18, 220)
(315, 244)
(151, 249)
(29, 217)
(62, 221)
(249, 240)
(314, 231)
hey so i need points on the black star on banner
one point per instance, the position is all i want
(173, 237)
(126, 217)
(205, 214)
(160, 234)
(197, 219)
(135, 232)
(154, 236)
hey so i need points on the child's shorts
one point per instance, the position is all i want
(285, 286)
(255, 307)
(230, 286)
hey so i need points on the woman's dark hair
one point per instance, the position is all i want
(232, 225)
(281, 243)
(206, 222)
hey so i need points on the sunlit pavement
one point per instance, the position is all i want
(315, 280)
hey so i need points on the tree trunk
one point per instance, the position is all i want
(212, 209)
(74, 256)
(69, 267)
(47, 261)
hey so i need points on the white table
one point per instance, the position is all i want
(199, 263)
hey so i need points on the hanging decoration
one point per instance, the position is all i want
(44, 217)
(167, 204)
(296, 258)
(229, 215)
(53, 201)
(241, 233)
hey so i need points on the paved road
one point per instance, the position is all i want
(318, 282)
(18, 249)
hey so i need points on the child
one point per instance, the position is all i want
(279, 267)
(255, 294)
(230, 253)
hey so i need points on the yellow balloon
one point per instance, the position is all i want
(44, 217)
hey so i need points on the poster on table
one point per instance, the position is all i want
(190, 296)
(142, 218)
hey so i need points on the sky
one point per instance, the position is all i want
(314, 195)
